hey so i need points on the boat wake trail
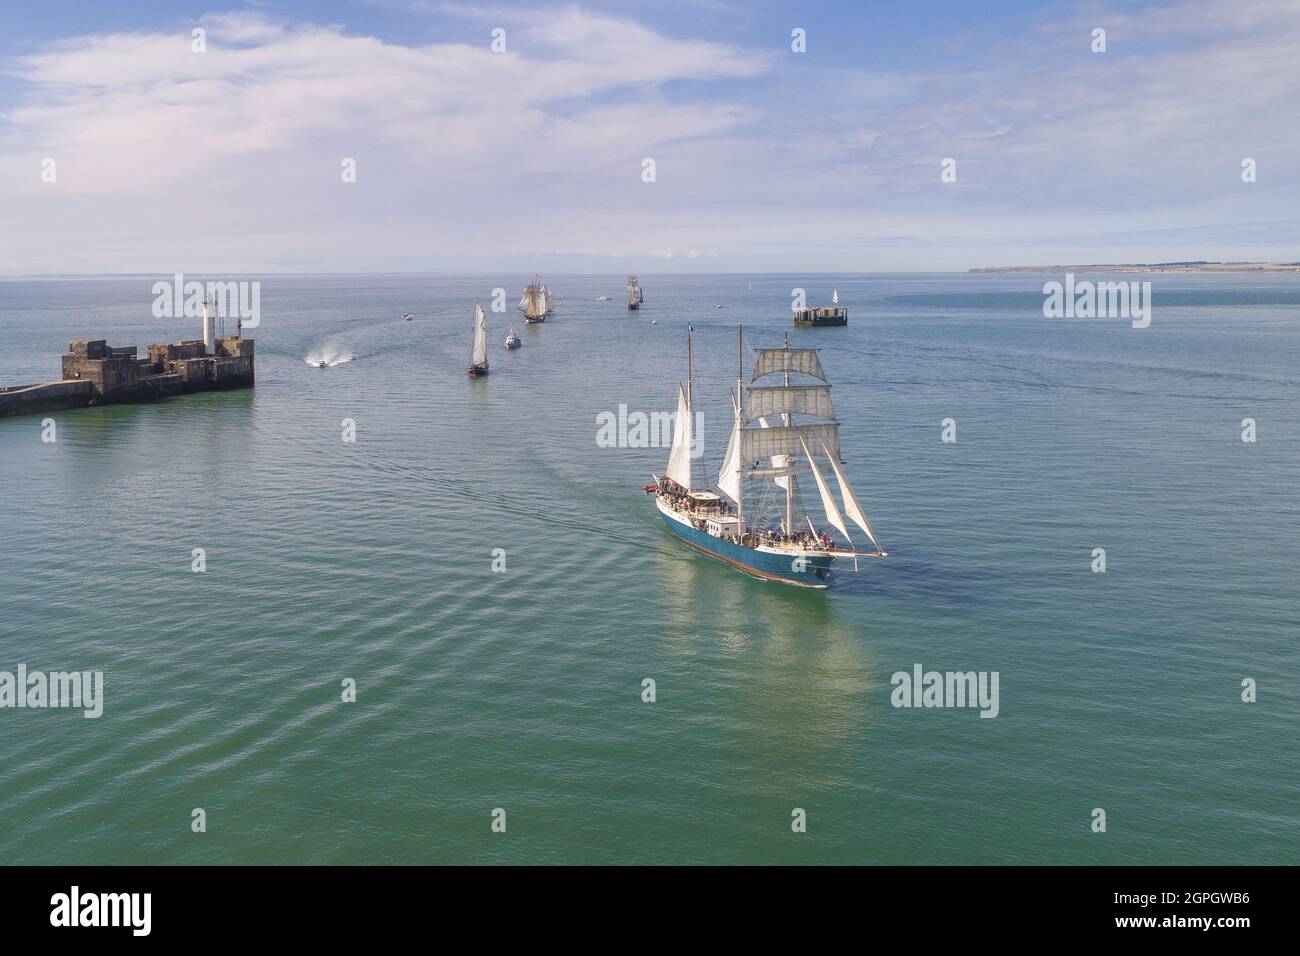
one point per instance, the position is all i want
(329, 353)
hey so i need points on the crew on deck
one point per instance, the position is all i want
(679, 500)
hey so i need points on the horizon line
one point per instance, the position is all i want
(172, 272)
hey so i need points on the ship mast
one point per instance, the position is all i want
(789, 461)
(740, 406)
(690, 330)
(690, 394)
(681, 466)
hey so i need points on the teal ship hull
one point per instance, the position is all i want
(808, 570)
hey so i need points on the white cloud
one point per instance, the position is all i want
(229, 159)
(248, 136)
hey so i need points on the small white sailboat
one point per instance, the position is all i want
(835, 296)
(512, 340)
(478, 360)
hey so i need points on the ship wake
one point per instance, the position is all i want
(330, 353)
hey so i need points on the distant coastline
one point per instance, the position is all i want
(1198, 266)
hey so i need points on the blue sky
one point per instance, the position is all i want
(766, 160)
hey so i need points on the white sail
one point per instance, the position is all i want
(835, 296)
(852, 507)
(778, 399)
(828, 502)
(679, 457)
(536, 301)
(479, 355)
(803, 361)
(778, 462)
(729, 477)
(781, 481)
(756, 443)
(532, 304)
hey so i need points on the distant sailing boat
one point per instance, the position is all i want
(835, 297)
(534, 304)
(766, 443)
(478, 361)
(634, 294)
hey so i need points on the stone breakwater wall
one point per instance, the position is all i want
(95, 373)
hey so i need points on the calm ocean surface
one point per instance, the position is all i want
(522, 690)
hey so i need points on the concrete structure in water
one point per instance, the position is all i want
(821, 315)
(95, 373)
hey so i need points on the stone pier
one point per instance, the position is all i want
(95, 373)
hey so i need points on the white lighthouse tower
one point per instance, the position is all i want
(209, 326)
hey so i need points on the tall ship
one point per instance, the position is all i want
(753, 518)
(478, 360)
(537, 302)
(634, 294)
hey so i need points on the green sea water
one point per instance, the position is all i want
(522, 690)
